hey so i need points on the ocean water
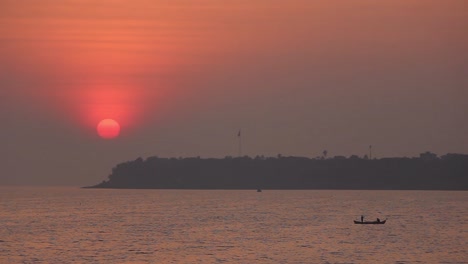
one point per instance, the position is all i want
(72, 225)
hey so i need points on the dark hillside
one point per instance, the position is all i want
(449, 172)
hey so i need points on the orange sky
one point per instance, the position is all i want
(298, 76)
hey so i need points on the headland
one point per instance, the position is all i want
(427, 172)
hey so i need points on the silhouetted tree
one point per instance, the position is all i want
(428, 156)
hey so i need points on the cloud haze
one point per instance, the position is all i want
(182, 77)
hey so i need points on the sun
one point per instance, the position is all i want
(108, 129)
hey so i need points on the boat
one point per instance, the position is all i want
(370, 222)
(259, 190)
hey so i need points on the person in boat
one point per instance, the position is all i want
(378, 220)
(362, 218)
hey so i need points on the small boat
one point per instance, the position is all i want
(370, 222)
(259, 190)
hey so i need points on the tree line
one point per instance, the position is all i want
(427, 172)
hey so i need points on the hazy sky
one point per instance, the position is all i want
(183, 76)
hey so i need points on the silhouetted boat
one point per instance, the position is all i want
(259, 190)
(370, 222)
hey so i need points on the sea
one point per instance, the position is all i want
(73, 225)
